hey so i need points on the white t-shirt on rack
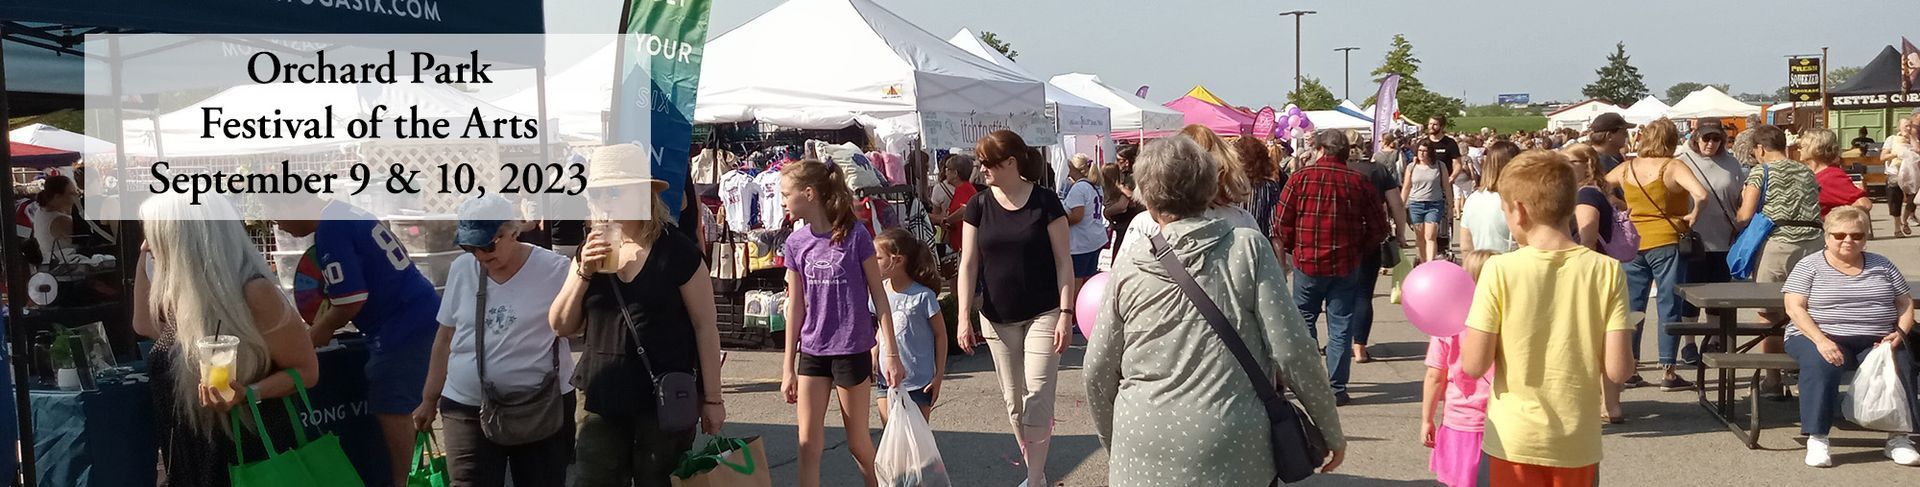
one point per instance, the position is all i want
(773, 210)
(738, 193)
(518, 334)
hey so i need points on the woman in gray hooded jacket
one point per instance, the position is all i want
(1170, 402)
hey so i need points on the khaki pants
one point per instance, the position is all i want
(1023, 358)
(1777, 259)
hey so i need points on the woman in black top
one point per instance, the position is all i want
(665, 291)
(1118, 204)
(1025, 287)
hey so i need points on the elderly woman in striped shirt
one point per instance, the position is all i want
(1844, 302)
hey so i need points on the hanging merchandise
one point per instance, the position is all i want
(773, 209)
(738, 196)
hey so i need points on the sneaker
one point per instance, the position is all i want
(1900, 449)
(1342, 399)
(1690, 355)
(1817, 455)
(1675, 384)
(1634, 382)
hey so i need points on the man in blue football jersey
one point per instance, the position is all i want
(371, 282)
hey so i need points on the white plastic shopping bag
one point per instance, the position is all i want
(1876, 400)
(907, 455)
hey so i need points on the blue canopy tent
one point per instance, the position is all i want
(40, 39)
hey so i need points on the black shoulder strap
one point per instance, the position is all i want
(1656, 203)
(1700, 170)
(613, 282)
(1263, 386)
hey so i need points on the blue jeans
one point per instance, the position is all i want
(1340, 297)
(1820, 381)
(1660, 266)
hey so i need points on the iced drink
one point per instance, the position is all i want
(217, 355)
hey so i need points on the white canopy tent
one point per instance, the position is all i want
(1084, 125)
(1131, 114)
(1646, 110)
(1579, 115)
(826, 64)
(44, 135)
(579, 107)
(1710, 102)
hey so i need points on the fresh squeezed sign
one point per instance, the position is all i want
(1803, 78)
(672, 38)
(953, 129)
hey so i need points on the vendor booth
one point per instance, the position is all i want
(1646, 110)
(857, 62)
(1873, 99)
(99, 434)
(1084, 125)
(1200, 107)
(1710, 102)
(1134, 118)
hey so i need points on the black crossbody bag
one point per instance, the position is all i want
(515, 419)
(1298, 446)
(675, 394)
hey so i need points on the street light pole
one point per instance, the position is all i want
(1297, 14)
(1348, 69)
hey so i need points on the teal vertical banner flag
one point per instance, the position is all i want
(670, 38)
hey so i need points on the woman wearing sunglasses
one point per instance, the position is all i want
(1844, 303)
(522, 354)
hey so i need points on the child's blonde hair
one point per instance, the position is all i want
(921, 266)
(1474, 261)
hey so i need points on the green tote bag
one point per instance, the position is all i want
(429, 467)
(278, 470)
(325, 461)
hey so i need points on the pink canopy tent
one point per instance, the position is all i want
(1223, 120)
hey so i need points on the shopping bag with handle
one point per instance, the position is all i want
(278, 469)
(1876, 400)
(907, 456)
(429, 463)
(325, 460)
(725, 462)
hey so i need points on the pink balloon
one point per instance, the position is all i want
(1294, 111)
(1086, 306)
(1436, 297)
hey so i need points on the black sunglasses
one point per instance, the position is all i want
(488, 248)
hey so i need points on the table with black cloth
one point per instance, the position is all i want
(105, 438)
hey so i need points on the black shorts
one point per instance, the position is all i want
(846, 370)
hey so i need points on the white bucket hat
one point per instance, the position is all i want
(620, 165)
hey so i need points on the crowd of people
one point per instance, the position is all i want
(1564, 234)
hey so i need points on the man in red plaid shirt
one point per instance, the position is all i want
(1330, 218)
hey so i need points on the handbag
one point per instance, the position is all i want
(429, 463)
(676, 394)
(1299, 448)
(514, 419)
(317, 462)
(1691, 246)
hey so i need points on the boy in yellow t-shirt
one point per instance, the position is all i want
(1551, 315)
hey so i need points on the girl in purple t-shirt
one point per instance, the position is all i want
(831, 276)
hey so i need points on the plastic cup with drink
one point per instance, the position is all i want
(217, 354)
(609, 229)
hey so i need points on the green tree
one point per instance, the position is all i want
(1684, 88)
(1005, 48)
(1620, 82)
(1416, 101)
(1313, 96)
(1840, 75)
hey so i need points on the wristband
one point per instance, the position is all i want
(1066, 311)
(716, 403)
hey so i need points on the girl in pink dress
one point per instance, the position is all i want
(1456, 439)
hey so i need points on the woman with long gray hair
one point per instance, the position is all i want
(215, 284)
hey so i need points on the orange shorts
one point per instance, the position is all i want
(1495, 472)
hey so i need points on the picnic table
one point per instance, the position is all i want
(1722, 302)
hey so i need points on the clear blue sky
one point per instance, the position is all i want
(1243, 51)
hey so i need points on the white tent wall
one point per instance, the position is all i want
(1578, 116)
(1646, 110)
(1335, 120)
(856, 60)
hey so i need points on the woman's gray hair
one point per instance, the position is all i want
(1175, 177)
(1847, 215)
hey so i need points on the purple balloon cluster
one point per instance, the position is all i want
(1293, 124)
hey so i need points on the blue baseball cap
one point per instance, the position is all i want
(481, 219)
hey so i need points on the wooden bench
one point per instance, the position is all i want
(1710, 329)
(1760, 363)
